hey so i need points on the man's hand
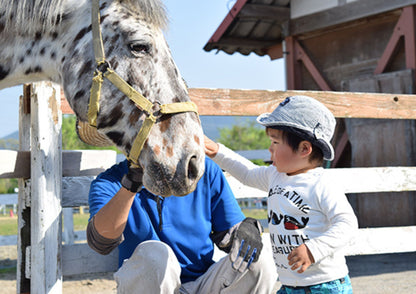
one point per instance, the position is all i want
(133, 180)
(247, 244)
(300, 257)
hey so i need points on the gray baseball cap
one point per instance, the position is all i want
(307, 118)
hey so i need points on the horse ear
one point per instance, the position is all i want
(91, 136)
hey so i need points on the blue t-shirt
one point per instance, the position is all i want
(185, 223)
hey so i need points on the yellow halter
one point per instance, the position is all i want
(103, 70)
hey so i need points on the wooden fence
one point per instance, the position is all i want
(51, 179)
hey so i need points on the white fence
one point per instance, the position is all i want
(79, 258)
(50, 180)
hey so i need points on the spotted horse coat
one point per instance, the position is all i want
(52, 40)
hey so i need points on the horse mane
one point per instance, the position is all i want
(33, 15)
(153, 10)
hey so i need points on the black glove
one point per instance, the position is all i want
(133, 180)
(247, 244)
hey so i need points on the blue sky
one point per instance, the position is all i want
(192, 23)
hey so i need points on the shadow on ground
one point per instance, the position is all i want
(366, 265)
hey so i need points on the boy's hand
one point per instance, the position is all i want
(211, 148)
(300, 257)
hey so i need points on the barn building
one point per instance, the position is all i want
(349, 46)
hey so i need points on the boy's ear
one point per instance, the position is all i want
(305, 148)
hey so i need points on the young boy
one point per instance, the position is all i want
(310, 219)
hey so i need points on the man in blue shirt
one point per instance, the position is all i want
(166, 244)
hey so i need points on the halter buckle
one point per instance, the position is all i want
(102, 67)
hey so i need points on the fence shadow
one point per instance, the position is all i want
(368, 265)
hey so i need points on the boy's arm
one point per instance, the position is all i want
(238, 166)
(343, 225)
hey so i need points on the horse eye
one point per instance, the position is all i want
(140, 48)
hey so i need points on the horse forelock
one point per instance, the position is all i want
(153, 10)
(28, 16)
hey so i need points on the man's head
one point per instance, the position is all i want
(307, 119)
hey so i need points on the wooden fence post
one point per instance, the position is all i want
(23, 233)
(46, 176)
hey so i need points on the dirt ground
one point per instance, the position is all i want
(372, 274)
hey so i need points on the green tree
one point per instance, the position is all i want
(7, 186)
(246, 136)
(10, 144)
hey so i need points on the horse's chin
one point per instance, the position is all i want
(157, 184)
(165, 191)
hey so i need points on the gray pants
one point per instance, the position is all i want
(153, 269)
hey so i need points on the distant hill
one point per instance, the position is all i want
(14, 135)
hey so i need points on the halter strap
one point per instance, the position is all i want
(96, 32)
(103, 70)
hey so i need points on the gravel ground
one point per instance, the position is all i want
(372, 274)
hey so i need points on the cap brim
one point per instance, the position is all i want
(91, 136)
(264, 119)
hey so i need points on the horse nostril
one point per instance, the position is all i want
(192, 168)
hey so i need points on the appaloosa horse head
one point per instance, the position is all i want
(53, 40)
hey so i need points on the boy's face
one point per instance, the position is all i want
(284, 158)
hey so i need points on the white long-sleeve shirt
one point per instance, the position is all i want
(305, 208)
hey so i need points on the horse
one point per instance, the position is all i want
(118, 75)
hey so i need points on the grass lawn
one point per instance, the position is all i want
(8, 225)
(255, 213)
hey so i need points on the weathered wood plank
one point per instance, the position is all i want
(87, 162)
(23, 207)
(81, 259)
(68, 235)
(353, 180)
(46, 175)
(375, 179)
(16, 164)
(255, 11)
(383, 240)
(341, 14)
(342, 104)
(75, 191)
